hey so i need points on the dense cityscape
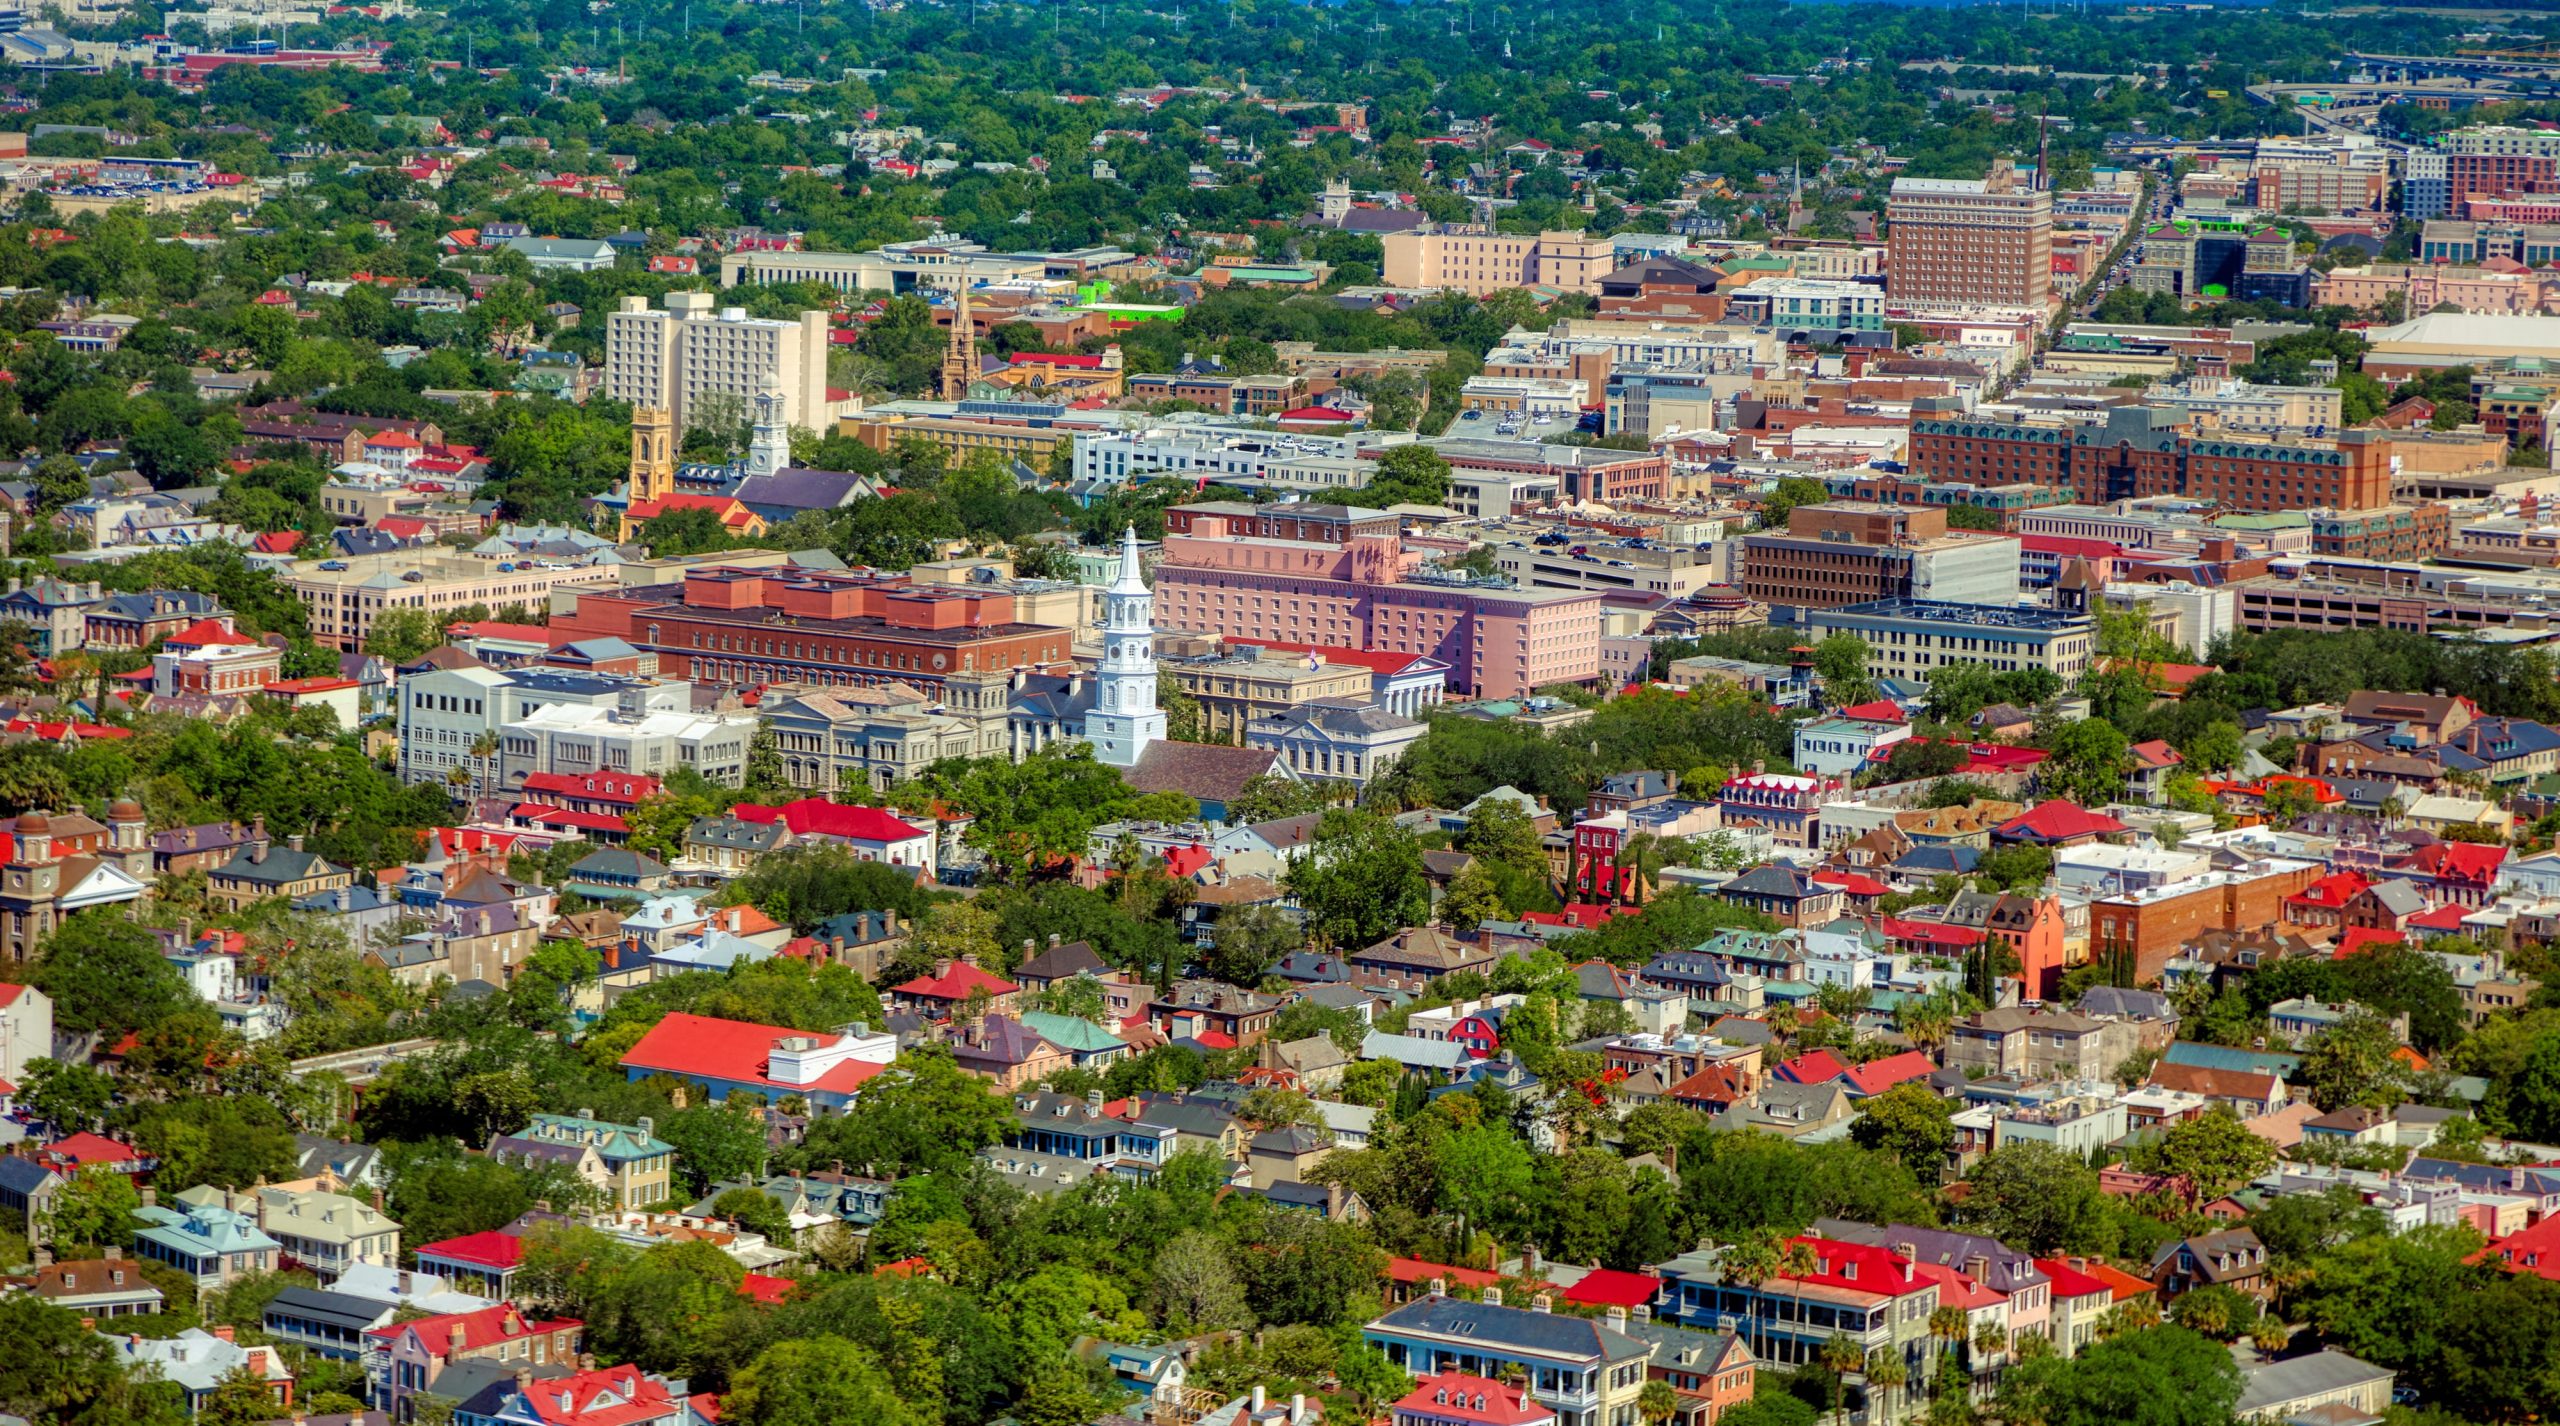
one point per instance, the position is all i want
(904, 713)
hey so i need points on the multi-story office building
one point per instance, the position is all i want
(2425, 287)
(445, 714)
(1914, 638)
(669, 359)
(1795, 304)
(2426, 185)
(736, 626)
(574, 740)
(1229, 455)
(2198, 259)
(2447, 240)
(2141, 451)
(1977, 242)
(1849, 552)
(343, 602)
(1329, 574)
(1479, 263)
(938, 263)
(1580, 473)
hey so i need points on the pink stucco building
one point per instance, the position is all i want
(1331, 574)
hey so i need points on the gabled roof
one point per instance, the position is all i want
(955, 982)
(2057, 820)
(819, 817)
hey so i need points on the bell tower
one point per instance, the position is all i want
(653, 453)
(1124, 717)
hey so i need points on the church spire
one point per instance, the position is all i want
(1124, 718)
(960, 358)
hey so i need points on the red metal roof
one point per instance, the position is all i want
(493, 1251)
(956, 982)
(1609, 1287)
(1930, 933)
(733, 1052)
(2057, 820)
(1472, 1401)
(818, 817)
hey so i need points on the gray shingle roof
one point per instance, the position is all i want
(1517, 1327)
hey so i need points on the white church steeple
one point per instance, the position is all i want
(770, 450)
(1124, 717)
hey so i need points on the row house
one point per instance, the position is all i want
(1878, 1301)
(2039, 1044)
(1788, 804)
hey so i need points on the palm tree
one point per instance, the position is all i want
(1752, 1262)
(1840, 1356)
(1946, 1324)
(2269, 1334)
(1657, 1403)
(1926, 1023)
(1887, 1373)
(1989, 1340)
(485, 749)
(1798, 1260)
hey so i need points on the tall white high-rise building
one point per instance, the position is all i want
(669, 359)
(1124, 717)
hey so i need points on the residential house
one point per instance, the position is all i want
(260, 871)
(635, 1167)
(2329, 1387)
(324, 1232)
(2233, 1258)
(1785, 893)
(824, 1070)
(1458, 1399)
(198, 1362)
(1006, 1051)
(1877, 1300)
(102, 1287)
(2039, 1044)
(407, 1360)
(952, 985)
(207, 1240)
(1709, 1373)
(1587, 1373)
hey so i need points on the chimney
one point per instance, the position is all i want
(1618, 1319)
(1643, 1313)
(150, 1198)
(294, 842)
(223, 1332)
(1493, 1297)
(114, 1255)
(1093, 1101)
(1439, 1287)
(1297, 1407)
(1542, 1303)
(456, 1340)
(44, 1257)
(1257, 1398)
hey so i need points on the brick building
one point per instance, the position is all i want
(732, 626)
(2141, 451)
(1985, 241)
(2150, 927)
(1852, 552)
